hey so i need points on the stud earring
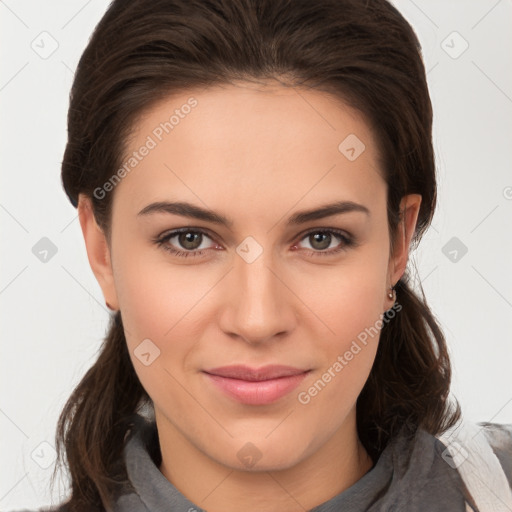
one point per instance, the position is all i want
(391, 294)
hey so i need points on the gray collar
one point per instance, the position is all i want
(410, 474)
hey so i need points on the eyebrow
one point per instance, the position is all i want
(189, 210)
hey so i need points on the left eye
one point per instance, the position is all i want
(321, 240)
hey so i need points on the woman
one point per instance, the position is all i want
(250, 176)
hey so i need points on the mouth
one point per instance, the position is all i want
(256, 386)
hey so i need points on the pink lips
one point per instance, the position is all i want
(258, 386)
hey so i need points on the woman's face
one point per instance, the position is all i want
(256, 278)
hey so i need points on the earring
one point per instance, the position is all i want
(392, 293)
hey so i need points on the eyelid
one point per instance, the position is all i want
(323, 229)
(194, 229)
(167, 235)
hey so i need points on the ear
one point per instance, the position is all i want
(98, 251)
(409, 209)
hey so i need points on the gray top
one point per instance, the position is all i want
(409, 476)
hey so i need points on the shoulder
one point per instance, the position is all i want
(499, 437)
(498, 434)
(489, 445)
(482, 453)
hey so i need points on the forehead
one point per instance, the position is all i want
(252, 142)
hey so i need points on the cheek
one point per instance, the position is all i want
(154, 294)
(328, 399)
(158, 303)
(348, 303)
(347, 298)
(167, 304)
(348, 354)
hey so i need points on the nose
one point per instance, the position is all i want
(258, 306)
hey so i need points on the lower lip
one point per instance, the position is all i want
(257, 393)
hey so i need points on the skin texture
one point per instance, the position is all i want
(255, 154)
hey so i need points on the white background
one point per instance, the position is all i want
(53, 315)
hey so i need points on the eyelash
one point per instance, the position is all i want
(348, 242)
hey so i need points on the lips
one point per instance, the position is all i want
(255, 386)
(242, 372)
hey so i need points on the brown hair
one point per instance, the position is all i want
(363, 52)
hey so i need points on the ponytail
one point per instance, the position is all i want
(92, 426)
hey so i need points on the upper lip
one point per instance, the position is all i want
(243, 372)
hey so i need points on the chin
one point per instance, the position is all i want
(256, 456)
